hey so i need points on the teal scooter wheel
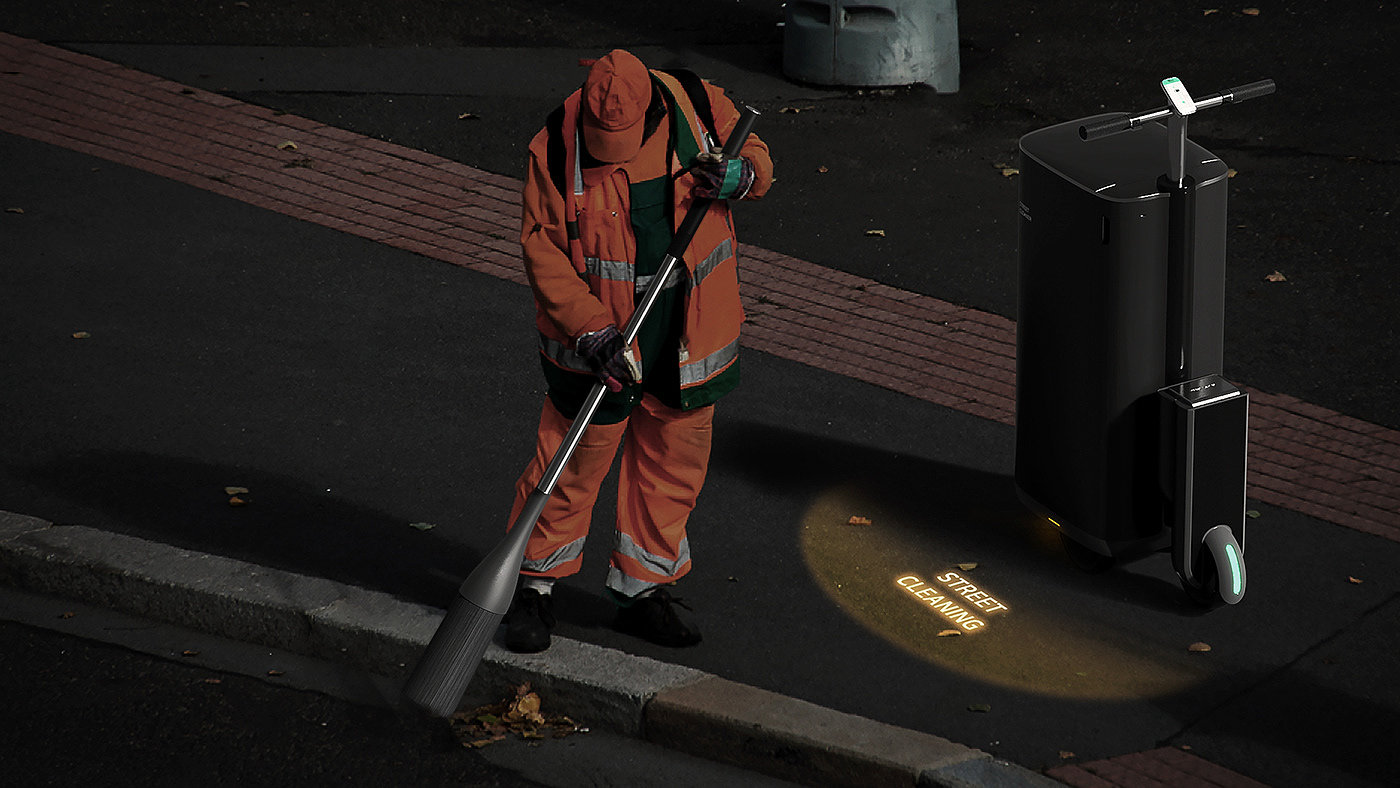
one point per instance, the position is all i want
(1220, 575)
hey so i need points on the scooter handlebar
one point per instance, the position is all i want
(1113, 125)
(1253, 90)
(1103, 128)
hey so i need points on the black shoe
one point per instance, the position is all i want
(653, 618)
(528, 622)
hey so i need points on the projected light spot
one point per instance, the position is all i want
(1046, 636)
(945, 599)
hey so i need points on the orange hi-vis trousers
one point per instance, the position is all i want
(664, 460)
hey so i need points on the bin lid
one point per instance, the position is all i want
(1124, 166)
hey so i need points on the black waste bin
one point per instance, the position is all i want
(1092, 330)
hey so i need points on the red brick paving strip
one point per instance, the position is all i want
(1166, 766)
(1303, 457)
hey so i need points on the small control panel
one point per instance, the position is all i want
(1181, 101)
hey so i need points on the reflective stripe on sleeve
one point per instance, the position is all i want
(561, 355)
(719, 254)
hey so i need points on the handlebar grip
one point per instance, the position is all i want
(1253, 90)
(735, 143)
(1103, 128)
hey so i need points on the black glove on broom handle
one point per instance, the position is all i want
(679, 242)
(1104, 128)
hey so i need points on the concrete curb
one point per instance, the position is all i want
(677, 707)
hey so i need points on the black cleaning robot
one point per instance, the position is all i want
(1127, 437)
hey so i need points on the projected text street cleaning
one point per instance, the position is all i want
(961, 602)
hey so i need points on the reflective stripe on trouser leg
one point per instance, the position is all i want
(664, 461)
(555, 548)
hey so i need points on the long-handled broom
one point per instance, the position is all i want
(442, 675)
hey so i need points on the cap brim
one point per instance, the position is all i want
(613, 147)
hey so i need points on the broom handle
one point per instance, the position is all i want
(674, 252)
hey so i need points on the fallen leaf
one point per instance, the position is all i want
(468, 116)
(1210, 11)
(795, 110)
(1199, 647)
(822, 168)
(213, 681)
(1230, 173)
(236, 491)
(67, 614)
(14, 210)
(189, 652)
(980, 707)
(422, 526)
(1066, 755)
(1253, 514)
(81, 335)
(1276, 277)
(1250, 11)
(237, 501)
(858, 520)
(286, 145)
(1354, 581)
(521, 715)
(275, 673)
(1007, 172)
(968, 567)
(733, 579)
(879, 233)
(948, 633)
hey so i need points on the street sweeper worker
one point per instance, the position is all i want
(610, 177)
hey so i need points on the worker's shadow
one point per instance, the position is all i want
(280, 522)
(975, 511)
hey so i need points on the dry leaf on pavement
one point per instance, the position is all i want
(875, 233)
(968, 567)
(1276, 276)
(948, 633)
(521, 715)
(858, 520)
(1199, 647)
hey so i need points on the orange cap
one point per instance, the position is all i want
(615, 99)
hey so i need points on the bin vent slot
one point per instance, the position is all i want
(867, 16)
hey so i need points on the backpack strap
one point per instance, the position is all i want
(699, 97)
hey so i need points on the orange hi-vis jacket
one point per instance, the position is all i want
(580, 252)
